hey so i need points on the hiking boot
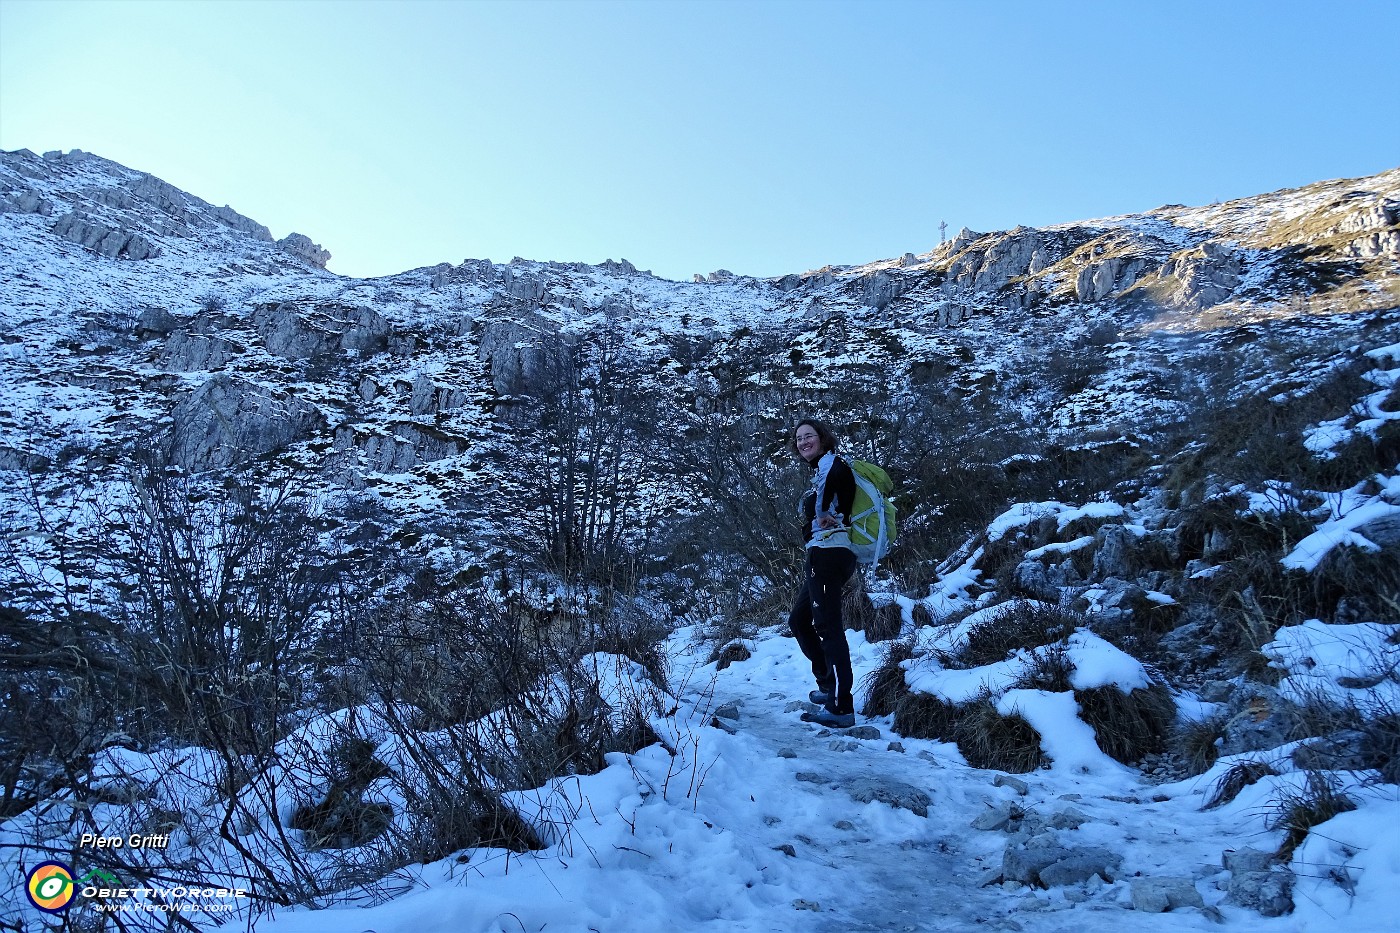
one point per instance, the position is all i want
(820, 697)
(825, 717)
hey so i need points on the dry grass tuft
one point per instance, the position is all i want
(1198, 744)
(1128, 725)
(1299, 812)
(1235, 780)
(885, 686)
(923, 716)
(995, 742)
(1022, 626)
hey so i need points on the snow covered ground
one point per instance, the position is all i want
(783, 825)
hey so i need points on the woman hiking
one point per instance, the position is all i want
(815, 619)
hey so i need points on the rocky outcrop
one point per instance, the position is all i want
(300, 246)
(229, 420)
(1043, 861)
(521, 354)
(397, 449)
(186, 352)
(155, 322)
(104, 240)
(1197, 278)
(1100, 280)
(879, 289)
(1259, 883)
(290, 332)
(428, 398)
(235, 221)
(25, 201)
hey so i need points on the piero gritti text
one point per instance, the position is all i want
(134, 841)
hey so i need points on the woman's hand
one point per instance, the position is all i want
(827, 520)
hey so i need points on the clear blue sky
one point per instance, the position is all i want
(764, 138)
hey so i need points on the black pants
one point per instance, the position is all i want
(816, 621)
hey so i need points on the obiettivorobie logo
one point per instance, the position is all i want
(52, 888)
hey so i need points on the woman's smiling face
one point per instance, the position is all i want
(809, 442)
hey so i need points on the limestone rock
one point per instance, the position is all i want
(1269, 892)
(229, 420)
(1113, 552)
(894, 793)
(1100, 280)
(396, 449)
(522, 353)
(104, 240)
(1042, 860)
(1259, 718)
(295, 333)
(232, 219)
(429, 398)
(26, 201)
(186, 352)
(300, 246)
(155, 321)
(1159, 895)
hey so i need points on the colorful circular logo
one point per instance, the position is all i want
(50, 887)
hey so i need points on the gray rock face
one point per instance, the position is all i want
(300, 246)
(102, 239)
(522, 353)
(187, 352)
(229, 420)
(1100, 280)
(155, 321)
(878, 290)
(26, 202)
(1384, 531)
(295, 334)
(398, 449)
(232, 219)
(1201, 277)
(1269, 892)
(1113, 552)
(429, 398)
(1247, 859)
(149, 193)
(1384, 243)
(1031, 578)
(1259, 718)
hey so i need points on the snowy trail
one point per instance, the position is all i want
(769, 826)
(867, 865)
(870, 866)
